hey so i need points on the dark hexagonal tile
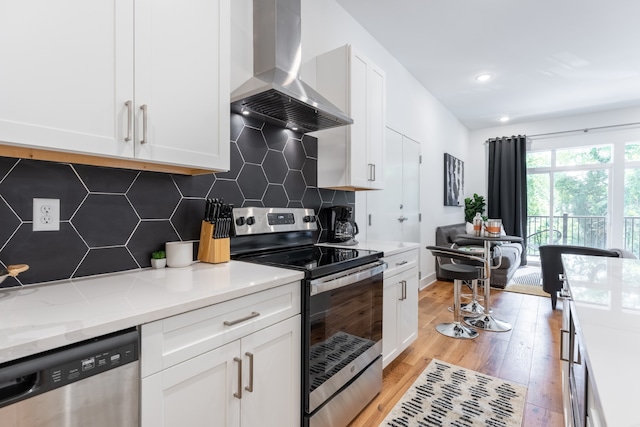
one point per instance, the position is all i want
(253, 204)
(275, 197)
(252, 145)
(51, 255)
(194, 186)
(235, 164)
(106, 180)
(312, 199)
(31, 179)
(6, 163)
(295, 204)
(150, 236)
(351, 197)
(10, 222)
(236, 126)
(275, 136)
(295, 186)
(252, 182)
(340, 199)
(154, 195)
(106, 260)
(294, 153)
(228, 190)
(310, 144)
(253, 122)
(187, 219)
(310, 172)
(327, 195)
(105, 220)
(275, 167)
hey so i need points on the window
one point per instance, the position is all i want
(569, 196)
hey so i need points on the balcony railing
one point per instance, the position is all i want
(579, 230)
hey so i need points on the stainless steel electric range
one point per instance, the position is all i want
(342, 309)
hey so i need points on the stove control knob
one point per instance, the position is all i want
(240, 221)
(251, 220)
(309, 218)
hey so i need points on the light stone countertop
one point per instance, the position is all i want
(42, 317)
(606, 296)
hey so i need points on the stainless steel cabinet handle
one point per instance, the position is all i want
(404, 290)
(562, 356)
(129, 105)
(398, 264)
(144, 140)
(402, 218)
(233, 322)
(250, 387)
(374, 171)
(239, 393)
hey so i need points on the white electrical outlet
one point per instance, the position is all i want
(46, 214)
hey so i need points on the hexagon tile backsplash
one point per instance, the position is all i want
(112, 219)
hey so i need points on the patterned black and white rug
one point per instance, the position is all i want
(448, 395)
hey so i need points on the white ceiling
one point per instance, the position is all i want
(549, 58)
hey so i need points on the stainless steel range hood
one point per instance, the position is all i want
(275, 93)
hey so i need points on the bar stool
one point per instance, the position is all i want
(458, 273)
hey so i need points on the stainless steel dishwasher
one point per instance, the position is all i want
(93, 383)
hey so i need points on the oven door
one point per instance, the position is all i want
(343, 330)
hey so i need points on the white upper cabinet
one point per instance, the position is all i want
(351, 157)
(73, 80)
(182, 77)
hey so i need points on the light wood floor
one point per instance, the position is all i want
(528, 354)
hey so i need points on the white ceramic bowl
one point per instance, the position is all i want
(179, 254)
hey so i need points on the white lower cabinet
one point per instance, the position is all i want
(251, 380)
(400, 305)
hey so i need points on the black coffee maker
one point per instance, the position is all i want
(342, 229)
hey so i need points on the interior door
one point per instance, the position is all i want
(393, 213)
(410, 190)
(383, 206)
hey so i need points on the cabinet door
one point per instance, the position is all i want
(67, 71)
(376, 125)
(358, 102)
(392, 293)
(182, 77)
(272, 357)
(408, 309)
(197, 392)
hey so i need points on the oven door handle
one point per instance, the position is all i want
(346, 278)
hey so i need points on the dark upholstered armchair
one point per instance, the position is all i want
(551, 265)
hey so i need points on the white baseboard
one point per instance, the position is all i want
(428, 280)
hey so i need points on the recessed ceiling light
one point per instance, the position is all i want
(484, 77)
(504, 119)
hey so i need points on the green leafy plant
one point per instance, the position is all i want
(158, 255)
(473, 206)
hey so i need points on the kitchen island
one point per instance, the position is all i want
(604, 306)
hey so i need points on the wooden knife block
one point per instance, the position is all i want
(212, 250)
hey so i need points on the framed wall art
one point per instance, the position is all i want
(453, 181)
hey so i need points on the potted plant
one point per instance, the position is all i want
(158, 259)
(472, 206)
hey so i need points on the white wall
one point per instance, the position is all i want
(411, 109)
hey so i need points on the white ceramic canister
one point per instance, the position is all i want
(179, 254)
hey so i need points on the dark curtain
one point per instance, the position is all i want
(507, 195)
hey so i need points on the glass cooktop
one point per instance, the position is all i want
(315, 260)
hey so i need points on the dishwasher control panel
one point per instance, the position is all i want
(90, 364)
(28, 377)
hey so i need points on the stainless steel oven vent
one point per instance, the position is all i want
(276, 93)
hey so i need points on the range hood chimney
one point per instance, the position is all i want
(275, 93)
